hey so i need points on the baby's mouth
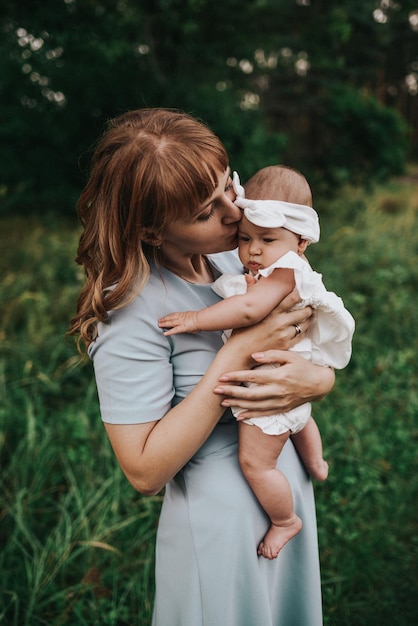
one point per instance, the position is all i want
(253, 265)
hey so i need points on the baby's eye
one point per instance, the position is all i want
(243, 237)
(266, 240)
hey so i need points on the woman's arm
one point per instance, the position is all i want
(151, 454)
(236, 311)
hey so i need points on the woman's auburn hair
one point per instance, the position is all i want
(150, 167)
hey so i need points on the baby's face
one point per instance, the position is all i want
(259, 247)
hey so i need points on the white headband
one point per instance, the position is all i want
(298, 218)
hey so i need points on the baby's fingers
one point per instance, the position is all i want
(168, 320)
(173, 331)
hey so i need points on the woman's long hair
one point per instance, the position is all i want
(150, 167)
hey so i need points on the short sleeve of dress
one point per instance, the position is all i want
(132, 367)
(140, 374)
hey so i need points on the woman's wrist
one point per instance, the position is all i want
(322, 381)
(236, 352)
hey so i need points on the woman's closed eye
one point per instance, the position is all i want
(206, 216)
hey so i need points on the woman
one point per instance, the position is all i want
(159, 201)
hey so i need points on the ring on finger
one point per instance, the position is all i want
(298, 329)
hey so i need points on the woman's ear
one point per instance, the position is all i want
(151, 237)
(302, 245)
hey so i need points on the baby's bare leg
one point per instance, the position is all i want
(258, 454)
(309, 445)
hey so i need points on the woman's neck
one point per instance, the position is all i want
(193, 269)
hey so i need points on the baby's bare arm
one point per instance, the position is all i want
(234, 312)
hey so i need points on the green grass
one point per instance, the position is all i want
(77, 541)
(367, 518)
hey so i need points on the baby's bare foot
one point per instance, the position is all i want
(277, 537)
(318, 471)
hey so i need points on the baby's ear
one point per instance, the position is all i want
(302, 245)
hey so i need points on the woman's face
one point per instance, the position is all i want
(212, 229)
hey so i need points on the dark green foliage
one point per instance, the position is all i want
(317, 85)
(351, 129)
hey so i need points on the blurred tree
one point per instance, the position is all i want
(337, 79)
(326, 88)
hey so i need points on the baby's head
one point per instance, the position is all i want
(278, 182)
(277, 215)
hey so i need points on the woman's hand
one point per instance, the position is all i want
(291, 382)
(281, 329)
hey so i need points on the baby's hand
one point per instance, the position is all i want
(250, 280)
(185, 322)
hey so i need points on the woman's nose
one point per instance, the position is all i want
(232, 213)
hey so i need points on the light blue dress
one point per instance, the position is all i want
(207, 569)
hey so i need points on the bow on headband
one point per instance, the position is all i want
(298, 218)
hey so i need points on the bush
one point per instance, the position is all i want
(358, 139)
